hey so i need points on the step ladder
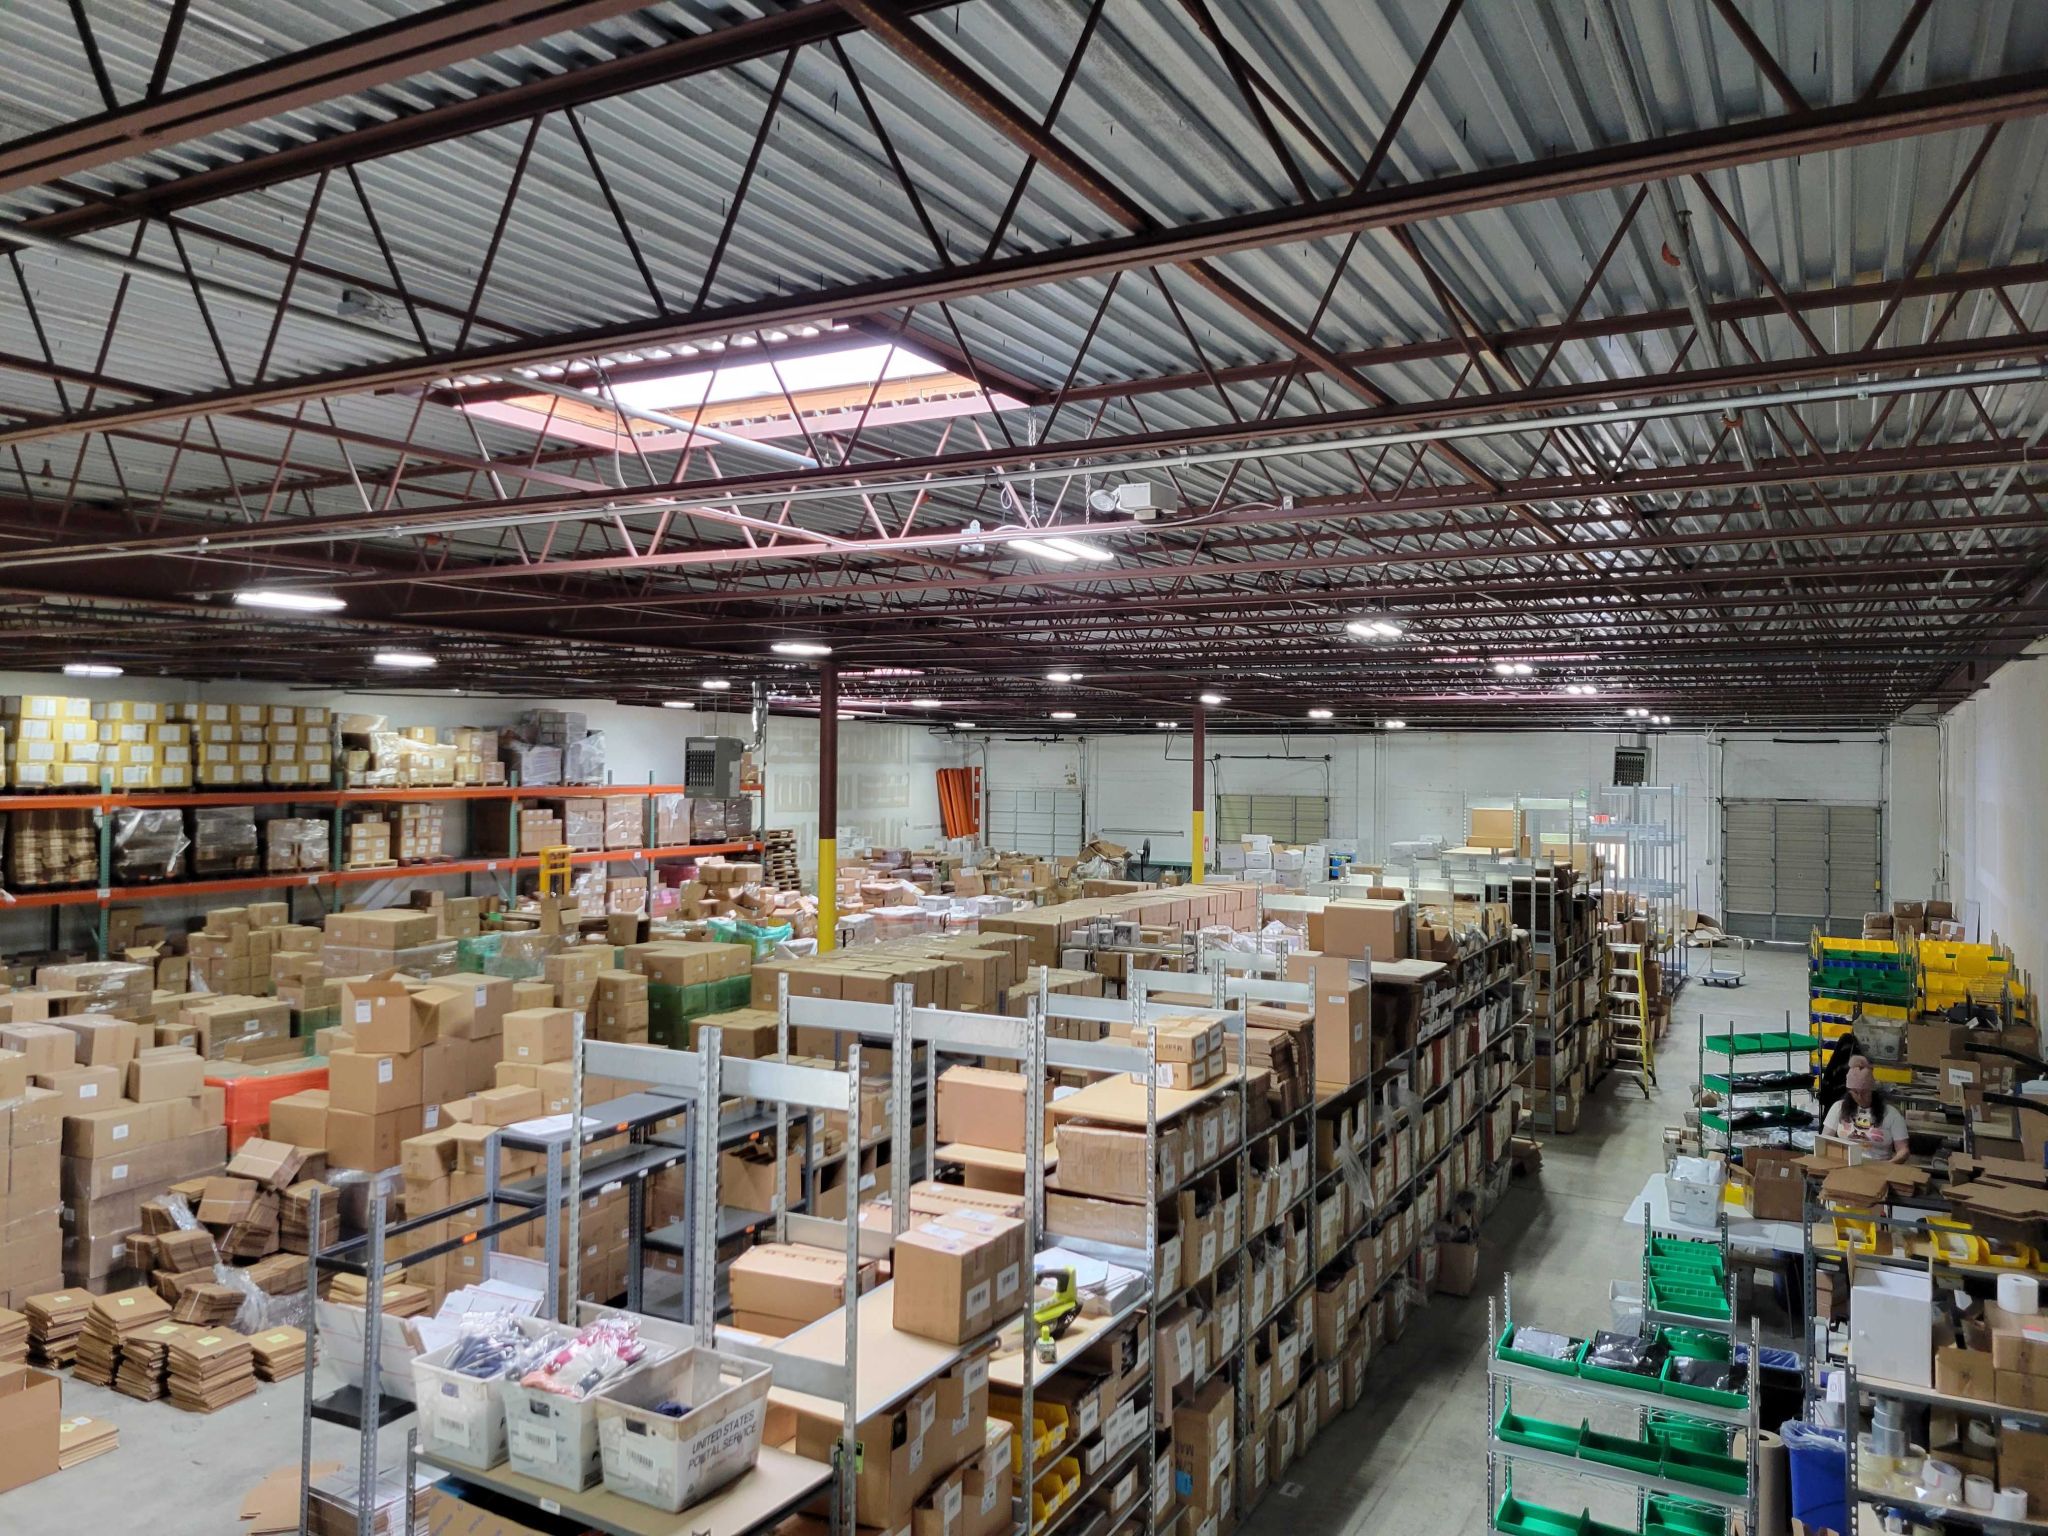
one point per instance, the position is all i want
(1631, 1047)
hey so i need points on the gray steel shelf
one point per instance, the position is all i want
(626, 1163)
(1508, 1370)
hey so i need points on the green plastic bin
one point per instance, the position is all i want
(1520, 1519)
(1676, 1517)
(1635, 1381)
(1698, 1344)
(1539, 1434)
(1712, 1397)
(1616, 1451)
(1674, 1431)
(1504, 1350)
(1707, 1469)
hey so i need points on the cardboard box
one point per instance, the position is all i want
(1772, 1182)
(123, 1127)
(984, 1108)
(165, 1075)
(746, 1178)
(788, 1283)
(893, 1467)
(1343, 1017)
(300, 1118)
(372, 1084)
(1364, 930)
(538, 1036)
(82, 1089)
(956, 1273)
(380, 1013)
(366, 1141)
(29, 1411)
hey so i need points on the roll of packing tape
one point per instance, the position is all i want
(2010, 1504)
(1941, 1479)
(1977, 1493)
(2019, 1293)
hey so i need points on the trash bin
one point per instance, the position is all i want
(1820, 1469)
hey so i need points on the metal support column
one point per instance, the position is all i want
(828, 807)
(1197, 856)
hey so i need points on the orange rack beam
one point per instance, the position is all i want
(114, 800)
(509, 865)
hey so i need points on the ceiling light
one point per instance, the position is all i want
(1319, 714)
(925, 703)
(1395, 725)
(1212, 698)
(1051, 549)
(715, 684)
(1663, 719)
(678, 704)
(1167, 725)
(405, 661)
(291, 601)
(800, 648)
(1063, 677)
(963, 725)
(1072, 549)
(1504, 668)
(1522, 669)
(1588, 689)
(1374, 629)
(1063, 714)
(91, 669)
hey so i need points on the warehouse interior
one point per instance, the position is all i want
(1022, 767)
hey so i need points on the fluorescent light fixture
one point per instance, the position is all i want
(1522, 669)
(290, 601)
(91, 669)
(405, 661)
(715, 684)
(1063, 714)
(1072, 549)
(1051, 549)
(1663, 719)
(926, 703)
(1395, 725)
(1375, 629)
(1212, 698)
(963, 725)
(1320, 714)
(1063, 677)
(1167, 725)
(800, 648)
(1583, 690)
(1504, 668)
(678, 704)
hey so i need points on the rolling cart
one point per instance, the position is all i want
(1719, 975)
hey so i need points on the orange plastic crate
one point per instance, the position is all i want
(251, 1090)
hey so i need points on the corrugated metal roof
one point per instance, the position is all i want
(1153, 108)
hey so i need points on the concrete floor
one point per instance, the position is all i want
(1411, 1458)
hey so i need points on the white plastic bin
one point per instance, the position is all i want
(674, 1463)
(462, 1417)
(1692, 1190)
(554, 1438)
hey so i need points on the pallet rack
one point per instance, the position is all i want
(504, 869)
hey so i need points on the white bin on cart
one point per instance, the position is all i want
(670, 1462)
(462, 1417)
(552, 1437)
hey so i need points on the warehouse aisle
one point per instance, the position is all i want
(1412, 1456)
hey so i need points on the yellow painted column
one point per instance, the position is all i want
(828, 807)
(1197, 857)
(828, 893)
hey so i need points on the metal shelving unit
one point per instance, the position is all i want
(1641, 832)
(1504, 1376)
(1768, 1091)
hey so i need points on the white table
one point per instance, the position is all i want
(1744, 1231)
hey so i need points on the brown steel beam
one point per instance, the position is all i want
(1940, 110)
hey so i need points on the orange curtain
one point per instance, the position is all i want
(960, 801)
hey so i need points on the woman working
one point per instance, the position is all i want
(1862, 1116)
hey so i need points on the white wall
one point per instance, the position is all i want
(888, 791)
(1414, 784)
(1994, 781)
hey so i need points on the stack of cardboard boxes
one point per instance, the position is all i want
(31, 1240)
(137, 1119)
(411, 1049)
